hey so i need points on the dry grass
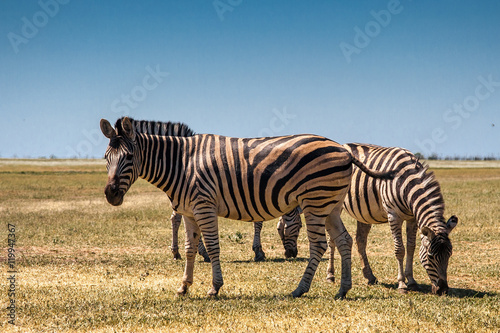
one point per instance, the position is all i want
(84, 265)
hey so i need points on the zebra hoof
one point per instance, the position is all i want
(373, 281)
(291, 253)
(182, 290)
(297, 293)
(213, 292)
(177, 255)
(261, 256)
(342, 293)
(330, 278)
(403, 290)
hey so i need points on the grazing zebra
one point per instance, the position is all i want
(206, 176)
(172, 129)
(413, 195)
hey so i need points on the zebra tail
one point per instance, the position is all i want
(388, 175)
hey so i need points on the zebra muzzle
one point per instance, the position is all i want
(441, 288)
(113, 194)
(291, 252)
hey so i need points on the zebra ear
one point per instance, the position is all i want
(428, 233)
(107, 129)
(452, 223)
(128, 129)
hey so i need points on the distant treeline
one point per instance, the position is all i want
(435, 157)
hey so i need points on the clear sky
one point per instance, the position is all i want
(424, 75)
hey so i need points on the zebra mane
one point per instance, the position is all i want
(428, 183)
(157, 127)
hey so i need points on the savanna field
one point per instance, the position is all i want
(82, 265)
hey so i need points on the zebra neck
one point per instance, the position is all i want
(428, 208)
(161, 157)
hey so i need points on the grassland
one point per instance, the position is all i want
(85, 266)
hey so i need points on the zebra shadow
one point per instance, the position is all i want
(453, 292)
(277, 260)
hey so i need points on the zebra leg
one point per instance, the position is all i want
(175, 218)
(257, 246)
(207, 221)
(288, 228)
(362, 232)
(281, 231)
(330, 272)
(343, 242)
(292, 224)
(202, 251)
(411, 235)
(317, 246)
(399, 249)
(192, 239)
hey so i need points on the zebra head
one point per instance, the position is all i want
(288, 228)
(435, 252)
(122, 157)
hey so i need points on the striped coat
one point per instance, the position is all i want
(206, 176)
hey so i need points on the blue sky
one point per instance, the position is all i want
(424, 75)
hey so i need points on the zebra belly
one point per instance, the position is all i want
(362, 206)
(242, 214)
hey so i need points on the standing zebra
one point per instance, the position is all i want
(413, 195)
(206, 176)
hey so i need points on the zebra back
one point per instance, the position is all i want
(413, 193)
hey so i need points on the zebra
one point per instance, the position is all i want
(413, 195)
(257, 179)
